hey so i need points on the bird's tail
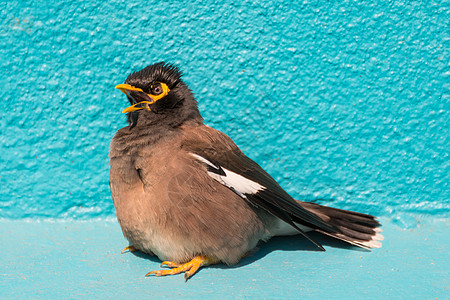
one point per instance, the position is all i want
(355, 228)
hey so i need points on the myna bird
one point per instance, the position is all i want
(184, 191)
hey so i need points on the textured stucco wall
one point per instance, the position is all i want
(346, 101)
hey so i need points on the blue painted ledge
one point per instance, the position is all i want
(81, 259)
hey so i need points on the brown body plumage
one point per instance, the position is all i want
(167, 204)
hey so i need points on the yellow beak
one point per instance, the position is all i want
(138, 106)
(129, 89)
(126, 87)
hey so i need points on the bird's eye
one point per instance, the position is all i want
(156, 89)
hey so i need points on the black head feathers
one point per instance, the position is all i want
(161, 72)
(170, 106)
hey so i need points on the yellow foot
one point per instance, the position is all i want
(189, 268)
(128, 248)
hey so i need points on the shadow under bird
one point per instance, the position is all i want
(186, 193)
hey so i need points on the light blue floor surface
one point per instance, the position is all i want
(82, 260)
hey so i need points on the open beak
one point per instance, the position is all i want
(142, 100)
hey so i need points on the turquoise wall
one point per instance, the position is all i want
(347, 101)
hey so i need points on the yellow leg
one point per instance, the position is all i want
(189, 268)
(130, 248)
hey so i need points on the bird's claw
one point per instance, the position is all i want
(169, 264)
(189, 268)
(130, 248)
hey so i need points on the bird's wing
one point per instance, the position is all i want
(226, 163)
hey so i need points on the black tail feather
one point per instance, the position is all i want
(355, 228)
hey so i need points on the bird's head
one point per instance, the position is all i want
(157, 94)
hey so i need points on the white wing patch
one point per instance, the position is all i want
(234, 181)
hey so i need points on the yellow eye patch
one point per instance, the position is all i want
(156, 93)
